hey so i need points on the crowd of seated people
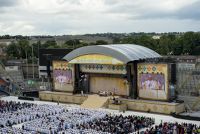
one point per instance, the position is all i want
(11, 106)
(59, 119)
(63, 121)
(174, 128)
(118, 124)
(15, 113)
(13, 130)
(87, 121)
(85, 131)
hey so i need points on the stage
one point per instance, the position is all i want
(62, 97)
(149, 106)
(129, 104)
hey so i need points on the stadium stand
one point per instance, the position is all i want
(188, 82)
(13, 78)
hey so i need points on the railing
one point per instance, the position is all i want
(38, 85)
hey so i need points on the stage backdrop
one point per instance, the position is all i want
(153, 81)
(63, 76)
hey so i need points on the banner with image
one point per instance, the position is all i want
(62, 76)
(153, 81)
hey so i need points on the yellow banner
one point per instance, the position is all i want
(62, 65)
(96, 59)
(152, 68)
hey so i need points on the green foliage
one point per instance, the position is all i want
(22, 49)
(12, 50)
(101, 42)
(36, 47)
(50, 44)
(73, 44)
(5, 37)
(167, 44)
(171, 44)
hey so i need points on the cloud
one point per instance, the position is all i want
(190, 12)
(18, 27)
(8, 3)
(31, 17)
(157, 9)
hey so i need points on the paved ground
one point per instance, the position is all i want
(194, 114)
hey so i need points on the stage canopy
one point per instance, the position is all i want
(110, 54)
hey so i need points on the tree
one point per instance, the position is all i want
(36, 47)
(19, 50)
(25, 48)
(101, 42)
(116, 40)
(190, 41)
(165, 45)
(72, 44)
(50, 44)
(12, 50)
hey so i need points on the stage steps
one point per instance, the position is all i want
(95, 101)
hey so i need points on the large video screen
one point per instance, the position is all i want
(62, 76)
(153, 81)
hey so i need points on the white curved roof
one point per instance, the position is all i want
(122, 52)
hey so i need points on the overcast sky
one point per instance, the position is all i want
(58, 17)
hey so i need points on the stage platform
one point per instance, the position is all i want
(126, 104)
(62, 97)
(120, 107)
(149, 106)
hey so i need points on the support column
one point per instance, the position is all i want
(77, 78)
(129, 79)
(135, 90)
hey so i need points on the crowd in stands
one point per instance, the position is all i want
(59, 119)
(174, 128)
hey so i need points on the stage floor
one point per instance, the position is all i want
(152, 106)
(63, 97)
(131, 104)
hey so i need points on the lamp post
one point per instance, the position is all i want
(26, 64)
(33, 63)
